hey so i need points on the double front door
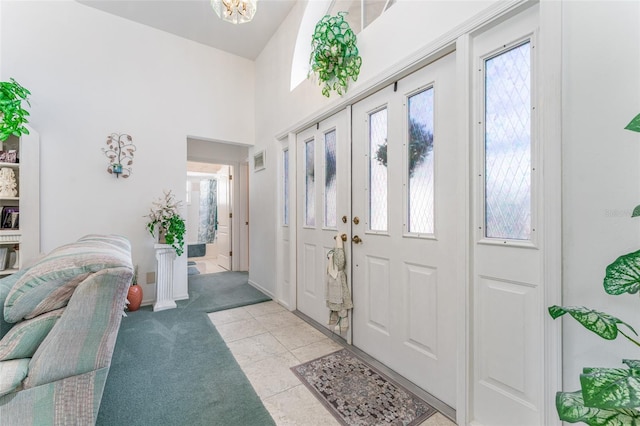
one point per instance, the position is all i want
(383, 174)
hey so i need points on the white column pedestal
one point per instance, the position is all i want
(165, 254)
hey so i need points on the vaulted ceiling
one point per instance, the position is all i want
(196, 20)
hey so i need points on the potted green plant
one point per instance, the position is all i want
(608, 396)
(334, 57)
(12, 116)
(165, 222)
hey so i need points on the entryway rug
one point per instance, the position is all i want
(358, 394)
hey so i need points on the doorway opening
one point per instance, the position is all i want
(209, 195)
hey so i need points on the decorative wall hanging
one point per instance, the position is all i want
(334, 56)
(120, 154)
(12, 116)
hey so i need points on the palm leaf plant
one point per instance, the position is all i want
(608, 396)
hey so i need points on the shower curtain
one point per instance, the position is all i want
(208, 211)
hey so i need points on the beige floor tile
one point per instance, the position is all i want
(280, 319)
(240, 330)
(264, 308)
(437, 420)
(228, 316)
(272, 375)
(255, 348)
(297, 336)
(297, 406)
(316, 350)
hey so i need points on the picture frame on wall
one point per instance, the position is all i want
(259, 161)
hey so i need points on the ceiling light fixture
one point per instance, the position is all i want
(235, 11)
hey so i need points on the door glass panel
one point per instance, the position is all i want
(508, 144)
(420, 162)
(310, 184)
(285, 187)
(378, 170)
(330, 190)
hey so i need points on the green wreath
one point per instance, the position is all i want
(334, 56)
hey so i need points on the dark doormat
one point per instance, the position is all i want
(358, 394)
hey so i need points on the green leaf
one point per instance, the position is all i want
(611, 387)
(603, 324)
(632, 363)
(634, 125)
(571, 408)
(623, 275)
(636, 211)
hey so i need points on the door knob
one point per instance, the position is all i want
(356, 239)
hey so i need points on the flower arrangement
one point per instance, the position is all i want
(12, 116)
(165, 220)
(334, 55)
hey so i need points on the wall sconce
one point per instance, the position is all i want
(120, 154)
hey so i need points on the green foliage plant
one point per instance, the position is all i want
(165, 222)
(334, 56)
(12, 116)
(608, 396)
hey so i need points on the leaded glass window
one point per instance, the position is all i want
(330, 187)
(285, 187)
(507, 138)
(420, 162)
(378, 171)
(310, 184)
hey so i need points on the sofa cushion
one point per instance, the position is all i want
(25, 337)
(12, 373)
(6, 284)
(49, 284)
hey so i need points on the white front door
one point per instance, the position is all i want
(323, 201)
(224, 220)
(507, 288)
(405, 201)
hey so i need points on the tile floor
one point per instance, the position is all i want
(266, 341)
(207, 265)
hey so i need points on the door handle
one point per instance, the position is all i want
(356, 239)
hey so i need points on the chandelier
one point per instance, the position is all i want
(235, 11)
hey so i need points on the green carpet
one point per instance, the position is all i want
(173, 368)
(223, 290)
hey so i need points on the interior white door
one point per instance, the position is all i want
(224, 220)
(323, 194)
(405, 200)
(507, 290)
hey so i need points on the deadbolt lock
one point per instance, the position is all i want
(356, 220)
(344, 219)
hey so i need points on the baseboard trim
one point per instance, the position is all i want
(262, 289)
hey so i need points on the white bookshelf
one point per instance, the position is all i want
(25, 239)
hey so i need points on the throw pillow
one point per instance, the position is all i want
(12, 373)
(49, 284)
(25, 337)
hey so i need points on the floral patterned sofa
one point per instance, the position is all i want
(59, 320)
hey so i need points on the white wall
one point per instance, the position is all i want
(91, 74)
(404, 29)
(601, 182)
